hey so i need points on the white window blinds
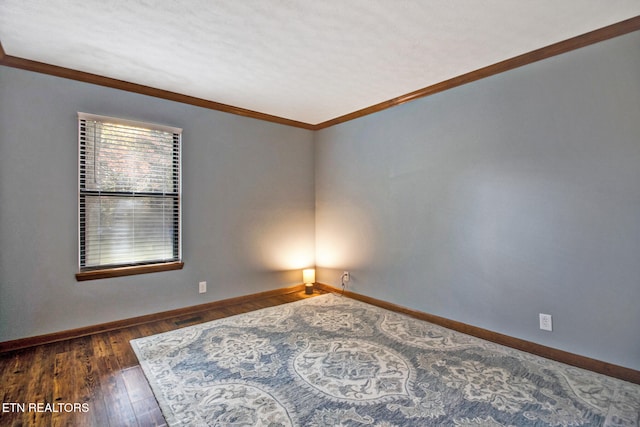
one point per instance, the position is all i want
(129, 193)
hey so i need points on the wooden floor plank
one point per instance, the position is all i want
(8, 365)
(136, 384)
(121, 348)
(15, 384)
(88, 384)
(64, 383)
(40, 385)
(148, 412)
(100, 371)
(116, 401)
(115, 398)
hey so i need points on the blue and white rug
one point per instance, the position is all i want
(334, 361)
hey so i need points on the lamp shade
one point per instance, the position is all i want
(309, 275)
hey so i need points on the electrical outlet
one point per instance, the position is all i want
(545, 322)
(346, 277)
(202, 286)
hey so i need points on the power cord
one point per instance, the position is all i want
(344, 279)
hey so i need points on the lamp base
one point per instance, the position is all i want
(308, 288)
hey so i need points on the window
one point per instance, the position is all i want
(129, 197)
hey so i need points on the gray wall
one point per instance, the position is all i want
(248, 207)
(490, 203)
(487, 204)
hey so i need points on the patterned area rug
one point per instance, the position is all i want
(334, 361)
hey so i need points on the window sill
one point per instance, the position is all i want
(128, 271)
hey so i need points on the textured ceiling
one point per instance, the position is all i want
(304, 60)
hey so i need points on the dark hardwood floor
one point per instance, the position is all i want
(100, 371)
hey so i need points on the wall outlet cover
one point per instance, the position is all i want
(546, 323)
